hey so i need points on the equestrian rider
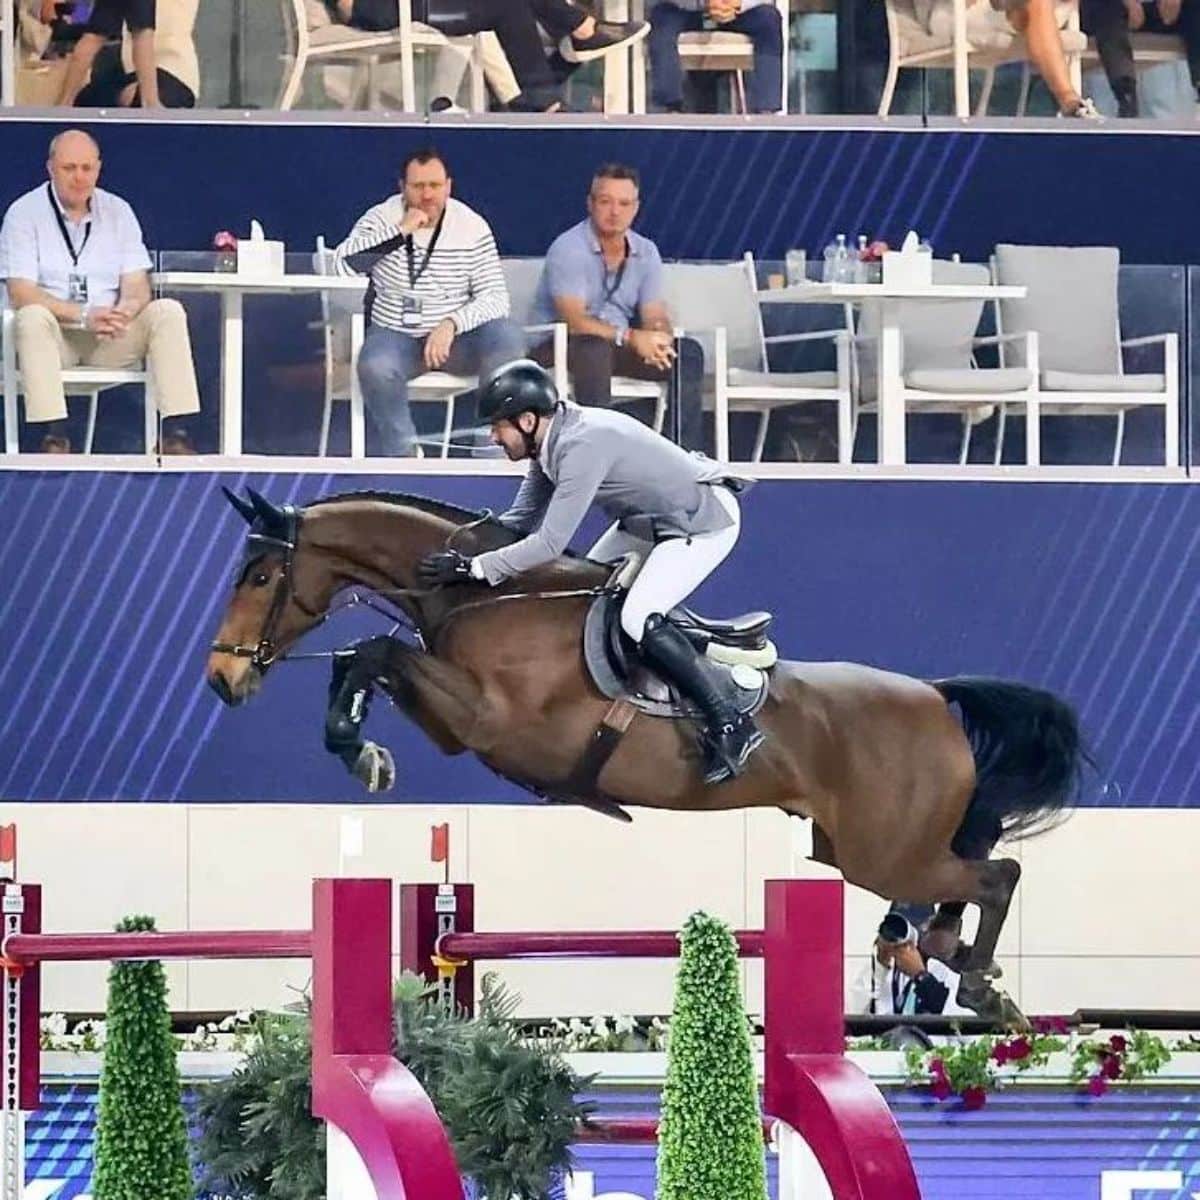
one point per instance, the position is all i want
(677, 509)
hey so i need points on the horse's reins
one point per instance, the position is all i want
(265, 653)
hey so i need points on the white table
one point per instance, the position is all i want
(888, 299)
(232, 287)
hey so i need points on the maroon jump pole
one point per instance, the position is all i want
(810, 1086)
(359, 1088)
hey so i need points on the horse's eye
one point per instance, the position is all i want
(260, 579)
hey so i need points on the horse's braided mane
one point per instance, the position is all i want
(491, 531)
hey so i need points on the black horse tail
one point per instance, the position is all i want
(1029, 760)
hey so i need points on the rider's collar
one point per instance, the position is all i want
(543, 454)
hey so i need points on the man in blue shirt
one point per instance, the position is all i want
(606, 283)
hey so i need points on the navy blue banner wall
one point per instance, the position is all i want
(708, 193)
(113, 584)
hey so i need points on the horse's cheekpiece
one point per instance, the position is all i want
(740, 649)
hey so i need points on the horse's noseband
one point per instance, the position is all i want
(264, 653)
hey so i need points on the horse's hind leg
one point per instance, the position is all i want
(990, 885)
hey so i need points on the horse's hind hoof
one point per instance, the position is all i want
(975, 993)
(375, 767)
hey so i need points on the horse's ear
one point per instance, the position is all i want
(241, 507)
(266, 512)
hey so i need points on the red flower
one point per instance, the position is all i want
(224, 240)
(1110, 1068)
(1018, 1049)
(1050, 1025)
(974, 1097)
(940, 1088)
(937, 1068)
(1097, 1085)
(1001, 1053)
(1118, 1044)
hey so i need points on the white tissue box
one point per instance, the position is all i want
(259, 257)
(907, 270)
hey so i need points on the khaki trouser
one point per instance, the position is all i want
(158, 335)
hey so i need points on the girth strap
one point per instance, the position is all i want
(580, 786)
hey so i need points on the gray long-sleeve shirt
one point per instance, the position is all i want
(596, 456)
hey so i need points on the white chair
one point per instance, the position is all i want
(342, 330)
(939, 373)
(960, 35)
(723, 298)
(77, 381)
(711, 50)
(319, 40)
(343, 333)
(1072, 305)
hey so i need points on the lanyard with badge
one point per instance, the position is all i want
(77, 284)
(901, 992)
(411, 305)
(610, 290)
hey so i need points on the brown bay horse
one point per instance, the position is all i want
(909, 784)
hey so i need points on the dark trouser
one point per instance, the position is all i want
(762, 25)
(593, 361)
(514, 23)
(1108, 22)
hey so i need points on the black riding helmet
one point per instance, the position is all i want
(515, 388)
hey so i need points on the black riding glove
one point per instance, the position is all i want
(444, 566)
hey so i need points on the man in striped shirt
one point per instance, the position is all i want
(437, 298)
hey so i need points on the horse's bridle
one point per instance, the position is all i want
(264, 653)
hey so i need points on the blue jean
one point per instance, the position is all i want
(761, 24)
(389, 359)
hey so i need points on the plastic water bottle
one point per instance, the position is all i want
(843, 264)
(860, 262)
(829, 271)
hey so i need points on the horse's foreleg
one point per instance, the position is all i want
(351, 687)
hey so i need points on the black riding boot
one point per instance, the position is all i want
(730, 738)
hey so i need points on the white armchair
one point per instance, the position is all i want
(77, 381)
(962, 34)
(939, 371)
(314, 39)
(1072, 305)
(722, 298)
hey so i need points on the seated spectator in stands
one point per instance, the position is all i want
(581, 37)
(78, 276)
(759, 20)
(108, 21)
(437, 298)
(114, 80)
(1111, 22)
(606, 282)
(901, 980)
(1037, 22)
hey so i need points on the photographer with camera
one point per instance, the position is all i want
(901, 980)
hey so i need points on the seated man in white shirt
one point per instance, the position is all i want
(78, 276)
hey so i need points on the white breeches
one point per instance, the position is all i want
(673, 569)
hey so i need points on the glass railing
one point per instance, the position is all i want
(802, 383)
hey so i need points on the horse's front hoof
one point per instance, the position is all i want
(375, 767)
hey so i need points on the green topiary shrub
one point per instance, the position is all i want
(141, 1133)
(710, 1143)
